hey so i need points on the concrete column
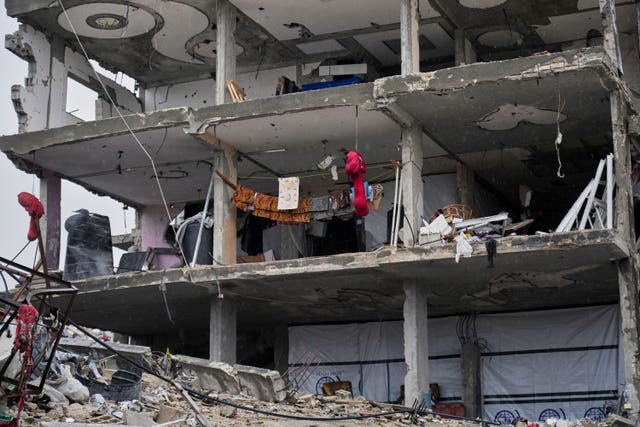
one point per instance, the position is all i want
(57, 102)
(465, 183)
(224, 213)
(622, 166)
(628, 279)
(222, 331)
(610, 31)
(416, 345)
(50, 196)
(225, 49)
(281, 349)
(628, 276)
(470, 357)
(409, 46)
(459, 41)
(464, 52)
(412, 197)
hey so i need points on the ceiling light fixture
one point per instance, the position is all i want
(107, 21)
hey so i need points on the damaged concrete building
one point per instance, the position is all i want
(493, 105)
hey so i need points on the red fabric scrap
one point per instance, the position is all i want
(355, 167)
(34, 208)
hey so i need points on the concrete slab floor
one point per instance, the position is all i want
(564, 269)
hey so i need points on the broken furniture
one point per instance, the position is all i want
(596, 212)
(142, 261)
(37, 289)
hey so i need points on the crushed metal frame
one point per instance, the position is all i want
(36, 296)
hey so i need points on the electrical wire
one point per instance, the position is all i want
(357, 131)
(558, 140)
(124, 121)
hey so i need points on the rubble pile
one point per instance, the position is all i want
(160, 404)
(90, 385)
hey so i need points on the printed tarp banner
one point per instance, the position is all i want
(539, 364)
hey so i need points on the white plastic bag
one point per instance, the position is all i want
(71, 387)
(463, 248)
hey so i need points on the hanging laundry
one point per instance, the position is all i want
(319, 204)
(266, 206)
(339, 199)
(375, 196)
(288, 190)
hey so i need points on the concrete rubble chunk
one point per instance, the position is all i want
(614, 420)
(139, 419)
(214, 376)
(167, 413)
(228, 411)
(78, 411)
(88, 347)
(262, 384)
(344, 394)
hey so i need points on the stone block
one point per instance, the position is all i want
(139, 419)
(167, 413)
(263, 384)
(214, 376)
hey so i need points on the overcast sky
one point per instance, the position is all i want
(14, 221)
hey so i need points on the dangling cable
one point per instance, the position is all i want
(558, 140)
(135, 137)
(357, 136)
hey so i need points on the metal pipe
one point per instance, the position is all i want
(393, 213)
(204, 215)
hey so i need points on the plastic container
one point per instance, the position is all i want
(124, 385)
(89, 250)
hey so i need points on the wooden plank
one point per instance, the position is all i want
(237, 94)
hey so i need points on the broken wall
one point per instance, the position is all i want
(202, 93)
(41, 102)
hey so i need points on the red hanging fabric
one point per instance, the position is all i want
(34, 208)
(355, 167)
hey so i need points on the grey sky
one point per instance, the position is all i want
(13, 219)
